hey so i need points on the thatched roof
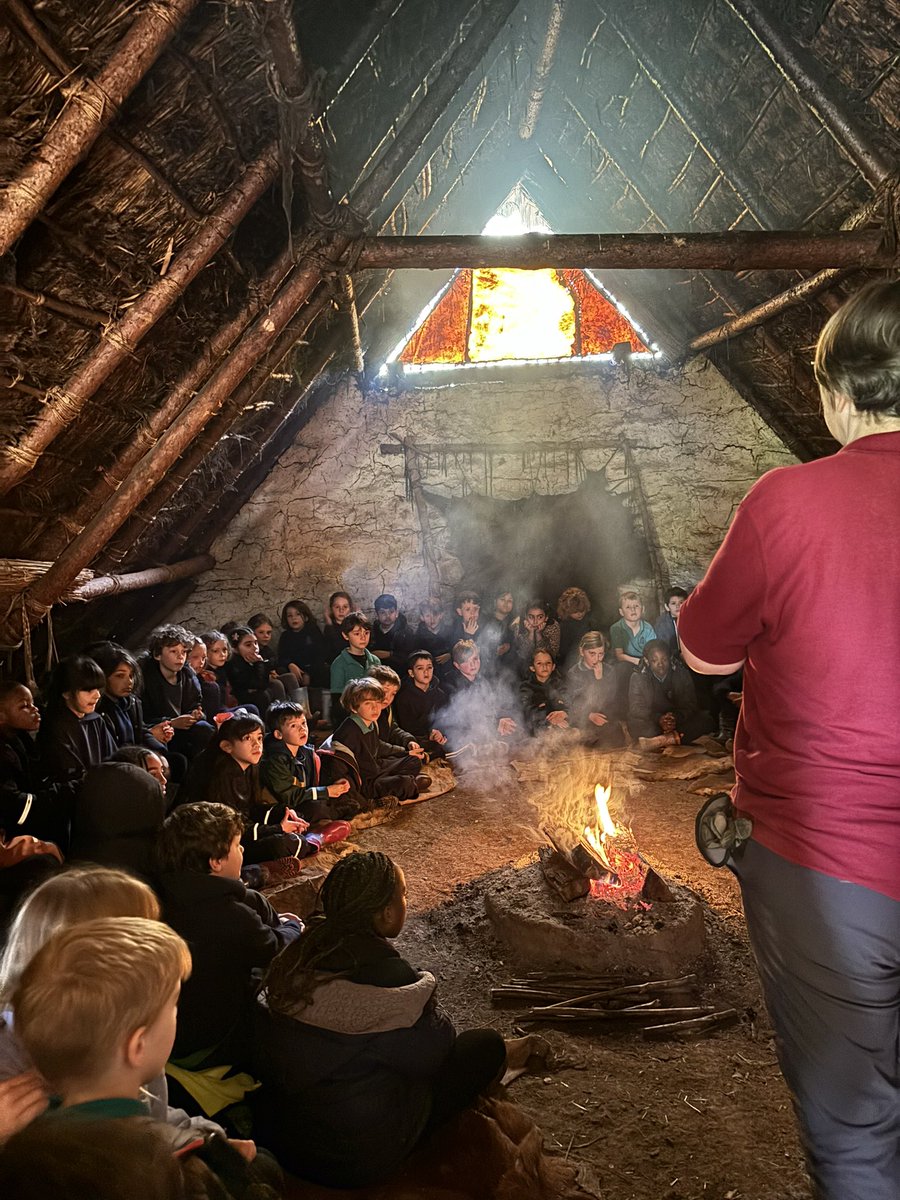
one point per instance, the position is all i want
(643, 116)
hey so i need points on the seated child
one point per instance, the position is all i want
(543, 702)
(249, 674)
(73, 736)
(301, 646)
(392, 639)
(358, 1061)
(355, 660)
(356, 752)
(594, 690)
(496, 639)
(536, 630)
(95, 1009)
(662, 702)
(290, 769)
(474, 702)
(227, 772)
(78, 894)
(630, 634)
(118, 814)
(215, 689)
(171, 690)
(340, 606)
(388, 729)
(573, 609)
(120, 705)
(418, 702)
(666, 627)
(263, 629)
(231, 930)
(30, 803)
(468, 625)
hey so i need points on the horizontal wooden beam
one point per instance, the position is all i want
(112, 585)
(737, 251)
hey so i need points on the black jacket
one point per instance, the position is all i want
(292, 780)
(214, 776)
(417, 710)
(348, 1078)
(69, 745)
(231, 931)
(305, 648)
(249, 681)
(161, 700)
(649, 698)
(399, 641)
(586, 694)
(538, 700)
(124, 719)
(365, 752)
(29, 802)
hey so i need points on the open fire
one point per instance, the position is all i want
(625, 871)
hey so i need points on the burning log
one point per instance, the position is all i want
(565, 878)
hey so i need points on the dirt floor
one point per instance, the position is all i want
(710, 1118)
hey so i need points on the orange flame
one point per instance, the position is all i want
(626, 865)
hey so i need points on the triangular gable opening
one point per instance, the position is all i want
(492, 316)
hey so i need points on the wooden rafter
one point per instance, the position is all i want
(90, 107)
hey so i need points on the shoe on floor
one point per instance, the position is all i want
(423, 783)
(328, 834)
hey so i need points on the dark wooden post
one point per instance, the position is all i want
(539, 83)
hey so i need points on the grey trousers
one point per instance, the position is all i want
(829, 957)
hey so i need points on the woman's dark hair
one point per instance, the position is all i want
(303, 610)
(109, 656)
(77, 673)
(858, 352)
(195, 833)
(358, 887)
(256, 620)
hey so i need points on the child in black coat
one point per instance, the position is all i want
(73, 735)
(358, 1061)
(356, 752)
(231, 930)
(30, 804)
(419, 702)
(170, 691)
(290, 769)
(248, 673)
(541, 695)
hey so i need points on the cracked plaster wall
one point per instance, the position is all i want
(333, 513)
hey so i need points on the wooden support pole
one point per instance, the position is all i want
(89, 109)
(535, 103)
(802, 73)
(148, 434)
(63, 404)
(112, 585)
(297, 116)
(65, 308)
(799, 293)
(734, 251)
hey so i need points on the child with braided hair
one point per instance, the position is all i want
(359, 1061)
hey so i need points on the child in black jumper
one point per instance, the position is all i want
(418, 703)
(356, 752)
(358, 1061)
(290, 769)
(248, 672)
(541, 694)
(30, 804)
(227, 772)
(170, 691)
(73, 735)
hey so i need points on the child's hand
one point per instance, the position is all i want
(597, 719)
(437, 736)
(415, 750)
(667, 722)
(274, 676)
(184, 722)
(289, 826)
(559, 719)
(163, 732)
(22, 1098)
(246, 1150)
(198, 714)
(506, 726)
(337, 789)
(304, 825)
(471, 625)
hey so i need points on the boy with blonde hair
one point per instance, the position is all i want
(96, 1009)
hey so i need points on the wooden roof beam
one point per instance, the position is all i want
(90, 108)
(799, 70)
(118, 341)
(731, 251)
(541, 78)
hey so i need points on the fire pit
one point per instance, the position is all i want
(592, 903)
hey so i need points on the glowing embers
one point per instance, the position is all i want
(505, 315)
(626, 871)
(520, 314)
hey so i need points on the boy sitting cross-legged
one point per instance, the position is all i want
(418, 701)
(290, 769)
(355, 751)
(230, 929)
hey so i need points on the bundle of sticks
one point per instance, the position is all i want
(662, 1008)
